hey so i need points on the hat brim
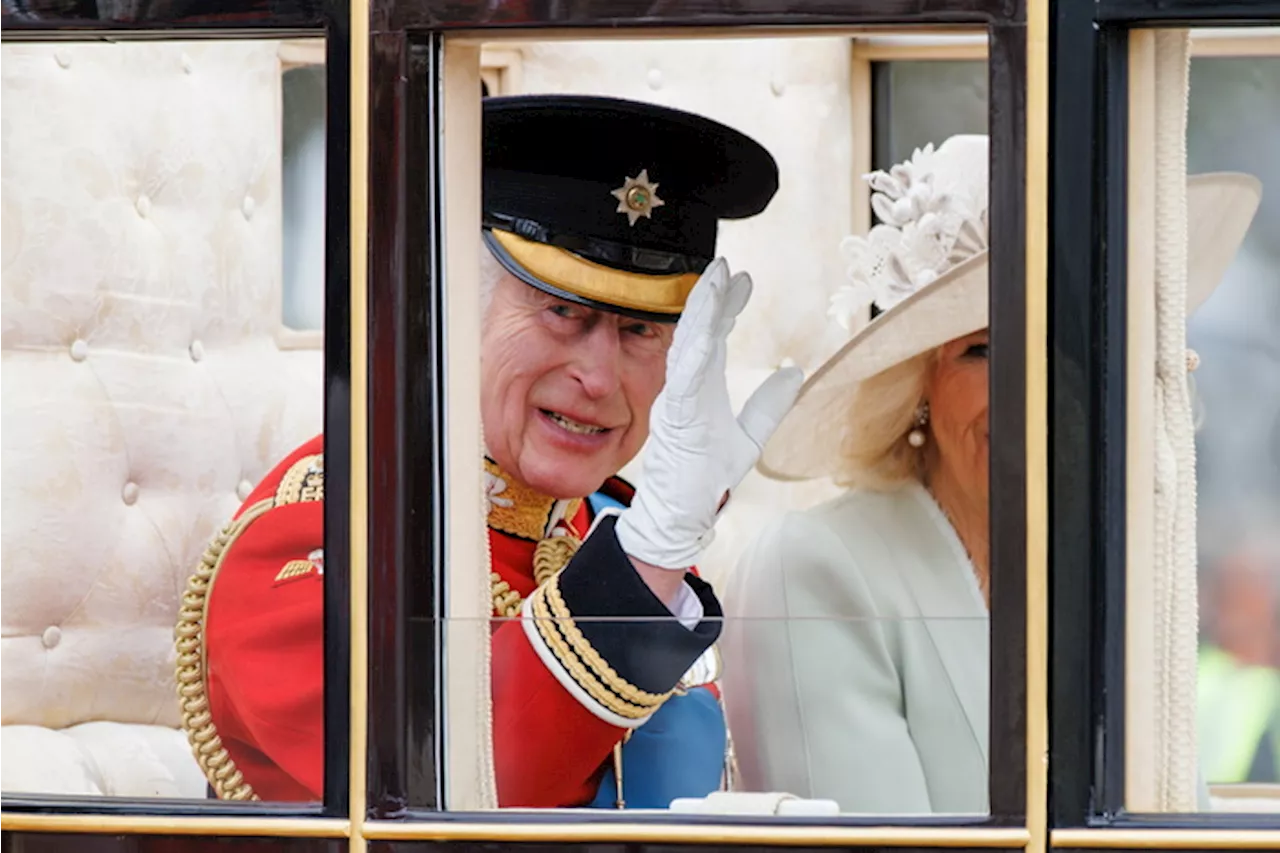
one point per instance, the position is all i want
(1220, 208)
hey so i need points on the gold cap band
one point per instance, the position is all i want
(560, 268)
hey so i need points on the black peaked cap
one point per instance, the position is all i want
(553, 162)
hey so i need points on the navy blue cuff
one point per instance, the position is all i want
(612, 635)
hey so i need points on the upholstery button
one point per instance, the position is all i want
(143, 206)
(130, 493)
(79, 350)
(777, 85)
(187, 65)
(247, 207)
(197, 350)
(655, 78)
(244, 490)
(51, 636)
(63, 58)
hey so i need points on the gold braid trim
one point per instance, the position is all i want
(304, 481)
(227, 781)
(582, 646)
(521, 510)
(547, 630)
(549, 557)
(506, 601)
(553, 554)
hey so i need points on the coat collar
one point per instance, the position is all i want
(521, 511)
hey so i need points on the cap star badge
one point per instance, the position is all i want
(637, 197)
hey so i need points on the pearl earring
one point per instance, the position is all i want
(916, 438)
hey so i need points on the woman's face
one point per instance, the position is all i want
(956, 389)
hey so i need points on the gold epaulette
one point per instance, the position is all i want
(304, 481)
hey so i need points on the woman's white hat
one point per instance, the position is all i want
(925, 267)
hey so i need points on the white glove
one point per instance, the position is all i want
(698, 450)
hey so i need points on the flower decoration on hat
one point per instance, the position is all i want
(932, 212)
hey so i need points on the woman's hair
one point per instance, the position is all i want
(875, 453)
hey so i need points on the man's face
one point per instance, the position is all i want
(565, 390)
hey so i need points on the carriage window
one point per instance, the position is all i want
(303, 164)
(850, 667)
(157, 473)
(1212, 682)
(1238, 439)
(918, 98)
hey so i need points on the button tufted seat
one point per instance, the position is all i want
(143, 388)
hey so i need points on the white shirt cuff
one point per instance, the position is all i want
(687, 608)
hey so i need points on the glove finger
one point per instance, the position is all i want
(684, 385)
(706, 389)
(701, 309)
(737, 294)
(692, 343)
(769, 404)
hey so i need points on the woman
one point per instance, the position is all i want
(856, 655)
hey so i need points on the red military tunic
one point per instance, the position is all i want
(565, 690)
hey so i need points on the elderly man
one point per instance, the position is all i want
(605, 325)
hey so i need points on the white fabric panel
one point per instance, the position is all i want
(143, 394)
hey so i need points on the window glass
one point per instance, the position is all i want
(1202, 698)
(850, 668)
(917, 100)
(303, 94)
(147, 402)
(1234, 125)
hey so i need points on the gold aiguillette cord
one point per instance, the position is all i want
(620, 802)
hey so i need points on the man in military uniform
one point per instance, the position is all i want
(606, 320)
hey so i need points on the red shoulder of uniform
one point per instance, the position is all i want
(261, 636)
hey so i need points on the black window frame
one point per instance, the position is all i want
(87, 21)
(1088, 421)
(408, 352)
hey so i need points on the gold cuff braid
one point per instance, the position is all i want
(552, 619)
(582, 646)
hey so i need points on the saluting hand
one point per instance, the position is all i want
(698, 449)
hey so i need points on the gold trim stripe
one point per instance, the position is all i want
(91, 824)
(1168, 839)
(662, 294)
(1037, 407)
(652, 833)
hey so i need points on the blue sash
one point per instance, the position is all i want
(679, 752)
(599, 500)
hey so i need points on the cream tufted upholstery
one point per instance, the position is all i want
(143, 389)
